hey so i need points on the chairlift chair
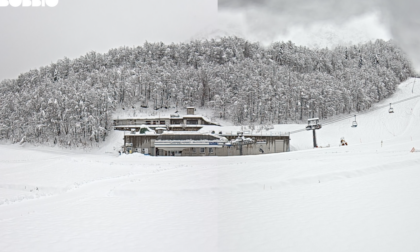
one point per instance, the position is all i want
(391, 110)
(354, 124)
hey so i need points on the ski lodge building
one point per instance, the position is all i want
(184, 136)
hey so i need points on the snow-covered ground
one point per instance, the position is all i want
(363, 197)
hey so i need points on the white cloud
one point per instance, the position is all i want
(356, 30)
(324, 22)
(266, 30)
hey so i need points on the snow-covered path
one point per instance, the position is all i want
(363, 197)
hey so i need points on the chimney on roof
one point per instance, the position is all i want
(190, 110)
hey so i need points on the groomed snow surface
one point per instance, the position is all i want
(363, 197)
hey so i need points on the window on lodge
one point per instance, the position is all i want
(162, 122)
(148, 122)
(193, 122)
(210, 150)
(202, 150)
(176, 121)
(186, 137)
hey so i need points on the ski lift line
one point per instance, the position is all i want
(350, 117)
(405, 99)
(370, 110)
(326, 122)
(338, 120)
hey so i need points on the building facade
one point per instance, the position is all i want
(171, 143)
(180, 136)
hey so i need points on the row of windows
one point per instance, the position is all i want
(155, 122)
(187, 137)
(202, 150)
(180, 121)
(173, 121)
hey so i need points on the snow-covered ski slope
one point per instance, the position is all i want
(363, 197)
(375, 124)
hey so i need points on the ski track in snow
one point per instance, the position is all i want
(363, 197)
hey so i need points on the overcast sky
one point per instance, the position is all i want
(322, 23)
(33, 37)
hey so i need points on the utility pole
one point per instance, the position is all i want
(314, 134)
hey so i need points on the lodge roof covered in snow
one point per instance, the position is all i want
(195, 122)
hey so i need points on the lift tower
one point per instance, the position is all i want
(313, 124)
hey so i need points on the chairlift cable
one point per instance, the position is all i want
(335, 120)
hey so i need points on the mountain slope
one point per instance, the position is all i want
(70, 103)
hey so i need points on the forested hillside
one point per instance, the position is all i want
(71, 102)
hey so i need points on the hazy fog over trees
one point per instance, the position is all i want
(71, 102)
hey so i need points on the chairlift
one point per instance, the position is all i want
(354, 124)
(391, 110)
